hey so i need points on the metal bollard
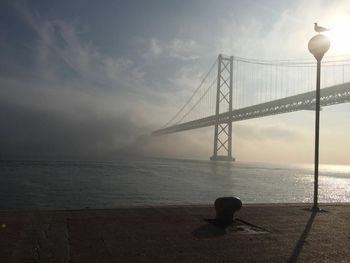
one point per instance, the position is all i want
(225, 208)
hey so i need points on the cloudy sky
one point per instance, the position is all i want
(92, 79)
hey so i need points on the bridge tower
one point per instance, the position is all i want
(223, 128)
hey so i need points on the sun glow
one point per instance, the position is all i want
(339, 35)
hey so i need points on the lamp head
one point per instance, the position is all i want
(319, 45)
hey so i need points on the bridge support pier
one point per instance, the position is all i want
(223, 128)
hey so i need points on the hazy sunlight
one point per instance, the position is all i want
(340, 34)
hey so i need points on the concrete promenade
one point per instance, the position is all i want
(264, 233)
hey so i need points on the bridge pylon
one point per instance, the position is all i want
(223, 130)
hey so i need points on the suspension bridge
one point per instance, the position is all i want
(236, 89)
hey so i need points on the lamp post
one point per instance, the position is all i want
(318, 46)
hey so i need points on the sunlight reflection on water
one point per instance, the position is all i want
(25, 184)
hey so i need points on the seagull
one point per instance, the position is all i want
(320, 29)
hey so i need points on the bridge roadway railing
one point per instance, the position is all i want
(305, 101)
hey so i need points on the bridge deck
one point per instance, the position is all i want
(304, 101)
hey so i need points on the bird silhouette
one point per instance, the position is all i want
(320, 29)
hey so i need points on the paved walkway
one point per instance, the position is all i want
(266, 233)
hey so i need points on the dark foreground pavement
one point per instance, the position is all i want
(272, 233)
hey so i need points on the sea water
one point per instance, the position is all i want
(153, 182)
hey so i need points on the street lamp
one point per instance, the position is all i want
(318, 46)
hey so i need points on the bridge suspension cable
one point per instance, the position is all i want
(197, 96)
(259, 81)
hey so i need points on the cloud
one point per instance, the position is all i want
(187, 145)
(35, 133)
(282, 141)
(76, 101)
(186, 80)
(284, 35)
(60, 50)
(181, 49)
(66, 120)
(270, 132)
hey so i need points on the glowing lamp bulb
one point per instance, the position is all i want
(319, 45)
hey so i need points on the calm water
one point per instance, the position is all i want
(63, 184)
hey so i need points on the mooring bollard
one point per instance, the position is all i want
(225, 208)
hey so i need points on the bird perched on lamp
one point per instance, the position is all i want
(320, 29)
